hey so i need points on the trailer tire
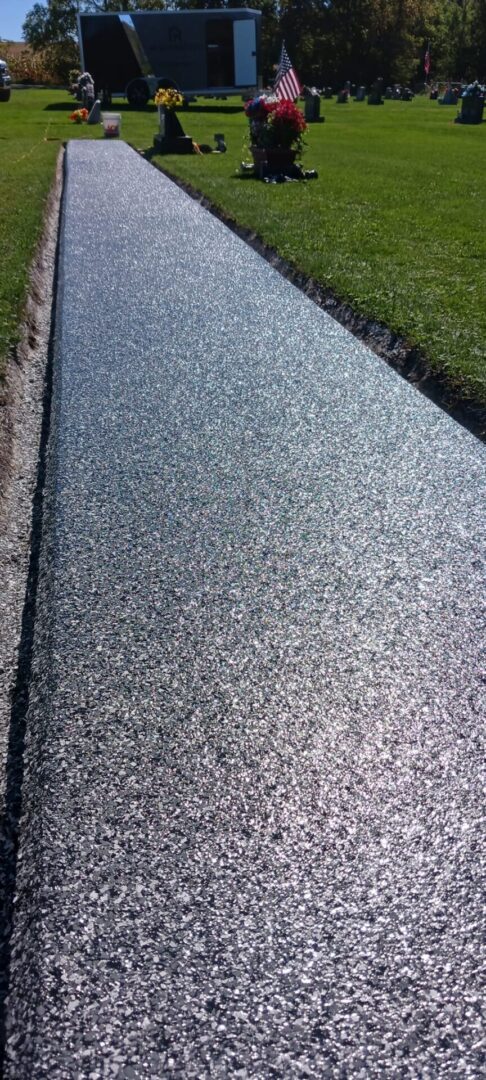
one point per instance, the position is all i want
(5, 95)
(137, 93)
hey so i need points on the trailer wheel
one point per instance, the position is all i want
(137, 93)
(5, 95)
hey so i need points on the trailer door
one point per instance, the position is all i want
(244, 40)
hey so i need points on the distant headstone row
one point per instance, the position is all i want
(472, 98)
(375, 96)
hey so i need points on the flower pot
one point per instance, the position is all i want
(280, 158)
(111, 124)
(259, 156)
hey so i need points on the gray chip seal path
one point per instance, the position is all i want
(251, 839)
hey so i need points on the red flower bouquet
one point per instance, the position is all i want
(275, 124)
(287, 125)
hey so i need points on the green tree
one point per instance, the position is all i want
(55, 21)
(478, 39)
(461, 29)
(49, 24)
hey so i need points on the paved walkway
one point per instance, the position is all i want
(252, 806)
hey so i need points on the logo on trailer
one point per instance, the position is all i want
(175, 35)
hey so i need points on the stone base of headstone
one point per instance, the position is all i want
(171, 138)
(181, 144)
(471, 111)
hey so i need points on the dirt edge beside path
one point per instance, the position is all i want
(24, 424)
(404, 358)
(21, 414)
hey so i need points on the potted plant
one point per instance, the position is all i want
(276, 132)
(472, 103)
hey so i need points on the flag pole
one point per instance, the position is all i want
(427, 63)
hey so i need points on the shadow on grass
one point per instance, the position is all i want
(124, 107)
(225, 109)
(62, 106)
(118, 106)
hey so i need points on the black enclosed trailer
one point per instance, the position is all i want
(208, 52)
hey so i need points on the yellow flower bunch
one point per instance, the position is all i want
(170, 99)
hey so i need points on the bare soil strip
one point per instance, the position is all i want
(21, 411)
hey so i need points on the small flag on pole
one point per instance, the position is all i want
(287, 86)
(427, 61)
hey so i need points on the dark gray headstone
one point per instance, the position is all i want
(95, 114)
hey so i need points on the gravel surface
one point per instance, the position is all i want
(251, 842)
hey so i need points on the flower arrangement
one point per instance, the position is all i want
(79, 116)
(169, 99)
(275, 124)
(474, 90)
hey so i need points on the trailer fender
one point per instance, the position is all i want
(167, 84)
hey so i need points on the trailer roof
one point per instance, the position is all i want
(171, 11)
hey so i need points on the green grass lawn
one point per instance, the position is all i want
(26, 169)
(395, 224)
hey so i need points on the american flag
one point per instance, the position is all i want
(287, 86)
(427, 61)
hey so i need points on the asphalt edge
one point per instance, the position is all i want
(397, 352)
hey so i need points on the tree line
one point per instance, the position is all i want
(329, 41)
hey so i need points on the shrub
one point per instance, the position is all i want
(49, 66)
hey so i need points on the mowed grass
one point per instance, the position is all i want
(33, 126)
(27, 161)
(395, 224)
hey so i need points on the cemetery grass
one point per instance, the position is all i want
(28, 151)
(394, 225)
(33, 126)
